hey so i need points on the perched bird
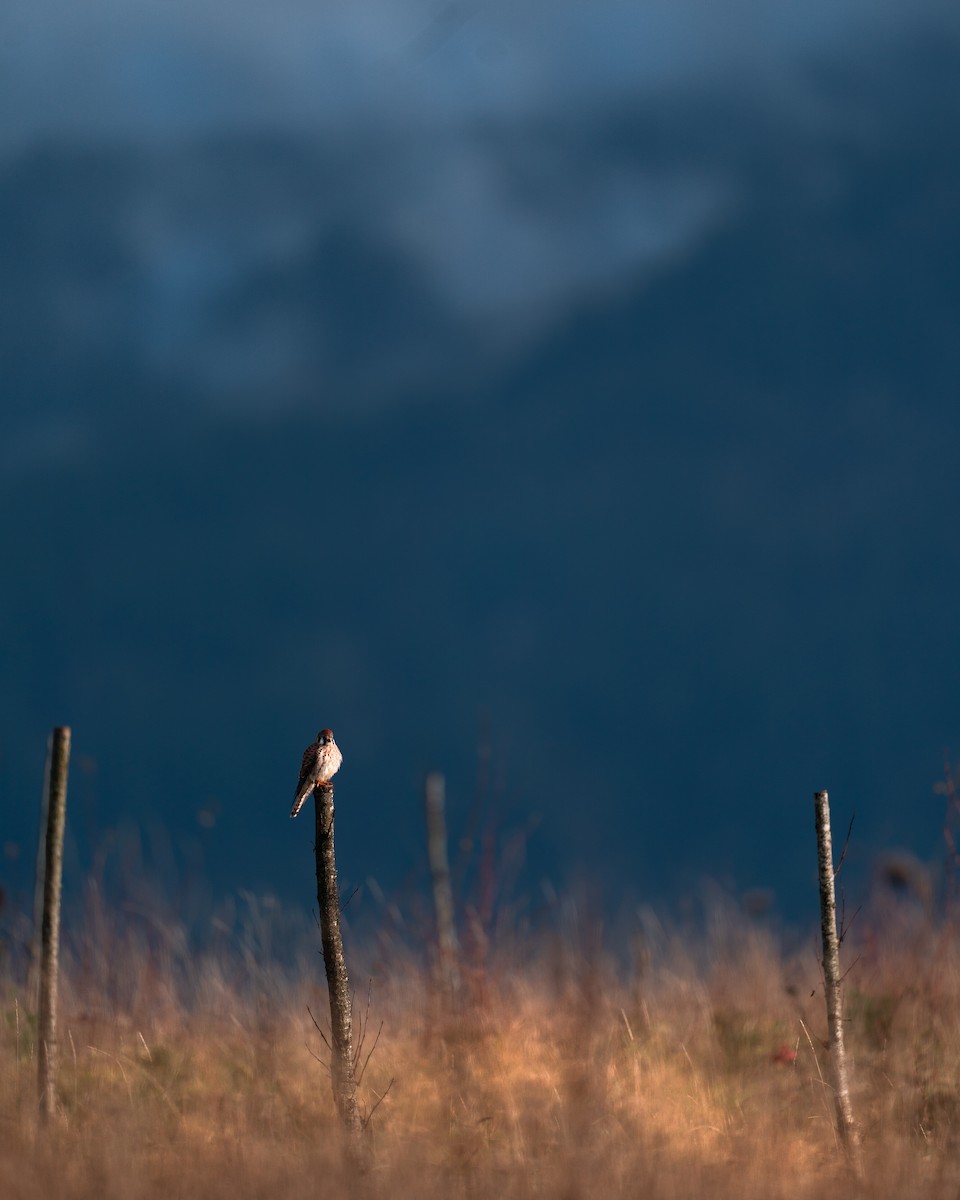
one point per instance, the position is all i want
(321, 761)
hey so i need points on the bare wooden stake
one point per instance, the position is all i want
(847, 1129)
(342, 1074)
(33, 970)
(447, 948)
(59, 760)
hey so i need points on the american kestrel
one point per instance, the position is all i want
(321, 761)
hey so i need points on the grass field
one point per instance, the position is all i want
(694, 1070)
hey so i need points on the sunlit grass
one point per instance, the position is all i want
(697, 1073)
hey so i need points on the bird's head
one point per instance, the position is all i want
(325, 737)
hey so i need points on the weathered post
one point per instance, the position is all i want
(33, 969)
(846, 1126)
(342, 1072)
(447, 955)
(59, 759)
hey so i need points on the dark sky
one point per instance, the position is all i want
(578, 383)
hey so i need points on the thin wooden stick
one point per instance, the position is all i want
(447, 948)
(847, 1130)
(33, 970)
(50, 931)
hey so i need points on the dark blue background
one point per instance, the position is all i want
(577, 385)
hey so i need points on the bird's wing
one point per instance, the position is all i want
(308, 768)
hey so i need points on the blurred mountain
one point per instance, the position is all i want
(689, 547)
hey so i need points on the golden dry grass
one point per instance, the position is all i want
(691, 1075)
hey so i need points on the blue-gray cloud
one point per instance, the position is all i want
(471, 140)
(142, 68)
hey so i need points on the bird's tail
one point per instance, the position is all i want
(298, 802)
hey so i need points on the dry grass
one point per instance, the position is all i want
(691, 1076)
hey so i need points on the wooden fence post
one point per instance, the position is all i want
(33, 969)
(342, 1070)
(59, 760)
(447, 951)
(846, 1126)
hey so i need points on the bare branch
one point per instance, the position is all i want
(318, 1029)
(380, 1100)
(370, 1055)
(363, 1024)
(845, 929)
(852, 965)
(325, 1065)
(846, 843)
